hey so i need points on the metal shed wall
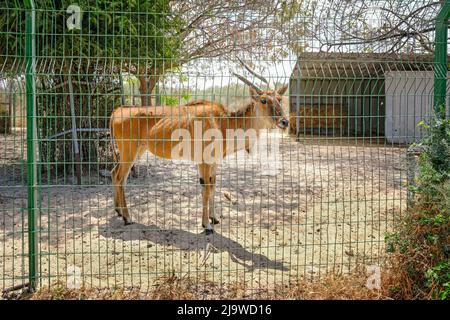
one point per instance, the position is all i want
(409, 100)
(358, 98)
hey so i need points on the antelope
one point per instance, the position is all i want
(139, 129)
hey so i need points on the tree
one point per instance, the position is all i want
(249, 29)
(78, 70)
(218, 28)
(371, 26)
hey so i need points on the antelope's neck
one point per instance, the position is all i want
(245, 119)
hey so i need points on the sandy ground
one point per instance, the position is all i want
(319, 206)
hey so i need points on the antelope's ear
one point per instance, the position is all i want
(282, 90)
(253, 93)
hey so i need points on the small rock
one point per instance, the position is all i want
(312, 270)
(105, 173)
(228, 196)
(350, 253)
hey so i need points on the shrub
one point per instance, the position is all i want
(421, 247)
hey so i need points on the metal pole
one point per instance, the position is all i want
(440, 60)
(76, 147)
(30, 56)
(122, 90)
(11, 117)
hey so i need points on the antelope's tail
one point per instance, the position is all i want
(111, 130)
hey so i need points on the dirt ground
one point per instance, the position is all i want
(318, 206)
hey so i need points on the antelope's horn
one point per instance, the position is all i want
(249, 83)
(260, 77)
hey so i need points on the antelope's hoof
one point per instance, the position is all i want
(208, 231)
(118, 212)
(126, 222)
(214, 221)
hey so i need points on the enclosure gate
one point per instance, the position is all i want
(322, 202)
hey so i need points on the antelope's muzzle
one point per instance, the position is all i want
(283, 123)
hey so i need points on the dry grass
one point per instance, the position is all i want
(418, 247)
(314, 118)
(60, 292)
(333, 287)
(350, 287)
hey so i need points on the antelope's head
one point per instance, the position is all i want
(268, 105)
(267, 102)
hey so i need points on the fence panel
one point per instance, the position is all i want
(13, 166)
(315, 196)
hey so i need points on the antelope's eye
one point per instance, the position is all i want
(263, 101)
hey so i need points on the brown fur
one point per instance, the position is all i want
(137, 129)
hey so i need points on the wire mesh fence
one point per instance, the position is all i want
(332, 92)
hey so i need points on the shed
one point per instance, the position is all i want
(360, 95)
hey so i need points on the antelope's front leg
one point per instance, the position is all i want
(212, 180)
(205, 175)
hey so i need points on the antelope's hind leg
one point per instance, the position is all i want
(115, 183)
(128, 155)
(120, 174)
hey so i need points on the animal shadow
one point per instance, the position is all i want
(188, 241)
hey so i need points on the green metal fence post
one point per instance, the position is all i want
(440, 59)
(31, 138)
